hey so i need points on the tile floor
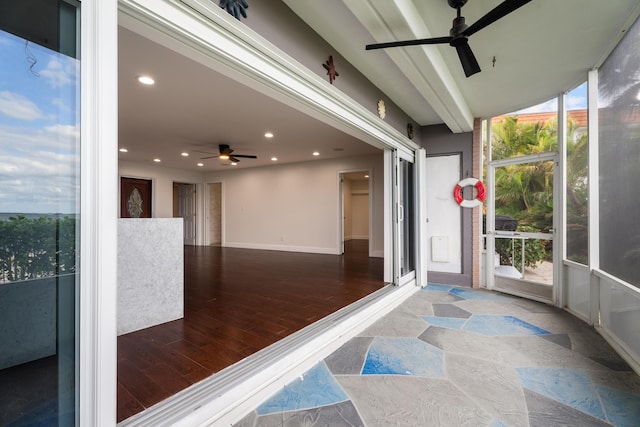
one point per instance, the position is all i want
(459, 357)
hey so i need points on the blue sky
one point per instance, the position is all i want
(39, 128)
(576, 100)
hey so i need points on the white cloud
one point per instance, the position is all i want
(60, 72)
(18, 107)
(39, 169)
(64, 131)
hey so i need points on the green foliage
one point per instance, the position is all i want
(510, 251)
(35, 248)
(524, 191)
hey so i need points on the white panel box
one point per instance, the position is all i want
(440, 248)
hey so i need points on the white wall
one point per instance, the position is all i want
(294, 207)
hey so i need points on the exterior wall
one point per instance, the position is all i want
(438, 140)
(274, 21)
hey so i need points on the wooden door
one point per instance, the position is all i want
(135, 198)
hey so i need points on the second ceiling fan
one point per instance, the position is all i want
(225, 154)
(460, 32)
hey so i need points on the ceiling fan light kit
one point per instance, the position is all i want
(460, 33)
(225, 154)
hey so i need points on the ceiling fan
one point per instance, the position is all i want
(460, 32)
(225, 154)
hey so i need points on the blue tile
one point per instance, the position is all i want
(568, 386)
(316, 388)
(437, 287)
(445, 322)
(403, 356)
(496, 326)
(498, 423)
(471, 294)
(623, 409)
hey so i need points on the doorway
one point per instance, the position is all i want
(355, 214)
(184, 206)
(444, 233)
(520, 232)
(214, 214)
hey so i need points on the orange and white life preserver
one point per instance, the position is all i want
(480, 190)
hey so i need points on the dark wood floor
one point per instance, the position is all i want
(237, 301)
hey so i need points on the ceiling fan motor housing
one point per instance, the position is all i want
(456, 31)
(456, 4)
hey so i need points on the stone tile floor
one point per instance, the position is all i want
(453, 356)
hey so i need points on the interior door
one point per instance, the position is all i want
(405, 208)
(521, 248)
(187, 211)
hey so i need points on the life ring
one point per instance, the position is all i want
(480, 196)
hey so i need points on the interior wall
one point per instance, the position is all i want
(163, 189)
(295, 207)
(438, 140)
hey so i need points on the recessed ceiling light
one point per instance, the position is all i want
(233, 163)
(200, 164)
(366, 176)
(146, 80)
(123, 150)
(274, 159)
(268, 135)
(315, 153)
(184, 154)
(157, 160)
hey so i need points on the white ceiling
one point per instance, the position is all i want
(541, 50)
(193, 109)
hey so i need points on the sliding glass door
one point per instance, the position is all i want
(404, 220)
(39, 211)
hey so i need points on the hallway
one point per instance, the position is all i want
(453, 356)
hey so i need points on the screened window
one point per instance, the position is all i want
(619, 159)
(577, 173)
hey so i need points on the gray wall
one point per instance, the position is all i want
(274, 21)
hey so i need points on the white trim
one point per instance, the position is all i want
(594, 196)
(98, 202)
(388, 216)
(540, 157)
(231, 394)
(283, 248)
(421, 218)
(604, 275)
(559, 203)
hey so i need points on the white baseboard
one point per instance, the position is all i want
(283, 248)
